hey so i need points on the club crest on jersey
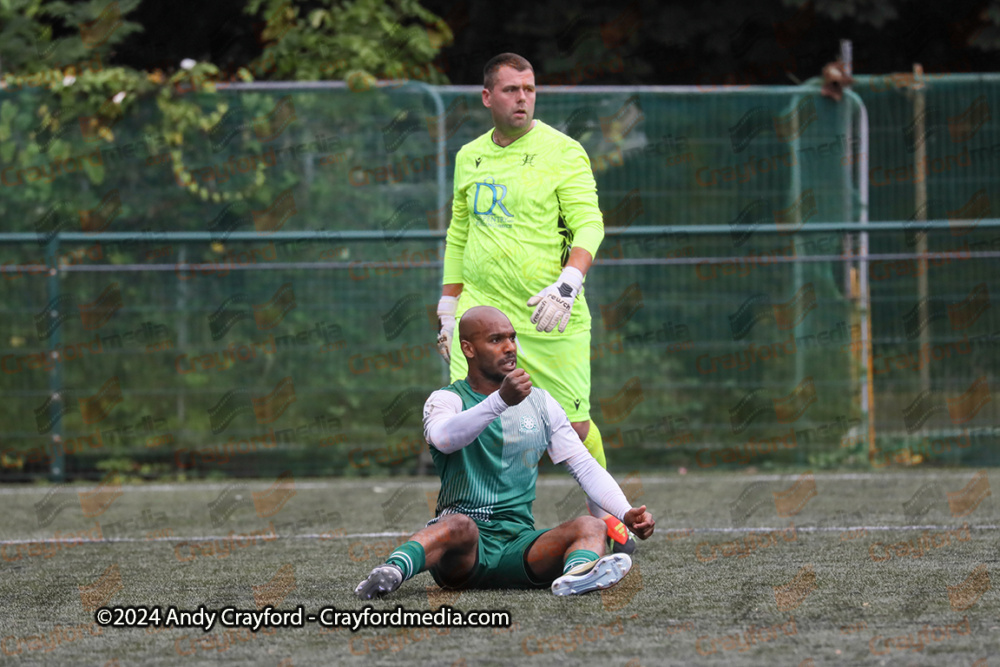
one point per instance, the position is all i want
(528, 424)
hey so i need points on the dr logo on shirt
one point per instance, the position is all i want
(497, 191)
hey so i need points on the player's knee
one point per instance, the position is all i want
(589, 526)
(463, 531)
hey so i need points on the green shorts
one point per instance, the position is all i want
(503, 546)
(558, 363)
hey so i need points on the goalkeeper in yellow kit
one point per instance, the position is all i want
(525, 228)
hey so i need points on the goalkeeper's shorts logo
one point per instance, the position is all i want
(528, 424)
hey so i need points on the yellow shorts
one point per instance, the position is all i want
(558, 363)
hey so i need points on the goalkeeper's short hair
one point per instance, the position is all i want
(519, 63)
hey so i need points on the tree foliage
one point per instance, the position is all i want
(63, 52)
(365, 38)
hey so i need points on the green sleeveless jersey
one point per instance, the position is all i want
(493, 477)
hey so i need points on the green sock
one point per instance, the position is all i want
(409, 558)
(578, 557)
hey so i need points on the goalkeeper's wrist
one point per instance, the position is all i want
(447, 307)
(573, 277)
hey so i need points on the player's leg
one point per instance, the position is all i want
(556, 549)
(572, 557)
(450, 546)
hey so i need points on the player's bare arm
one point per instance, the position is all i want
(580, 259)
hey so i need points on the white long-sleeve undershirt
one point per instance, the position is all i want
(448, 428)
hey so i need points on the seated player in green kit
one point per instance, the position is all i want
(487, 434)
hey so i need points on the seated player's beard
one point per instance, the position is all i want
(494, 373)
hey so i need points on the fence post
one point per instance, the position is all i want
(57, 467)
(861, 164)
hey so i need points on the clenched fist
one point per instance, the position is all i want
(640, 522)
(515, 387)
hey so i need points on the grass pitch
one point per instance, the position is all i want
(889, 568)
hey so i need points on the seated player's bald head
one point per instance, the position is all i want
(479, 319)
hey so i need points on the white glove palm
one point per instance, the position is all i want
(554, 304)
(447, 307)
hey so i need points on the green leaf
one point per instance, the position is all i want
(7, 112)
(95, 172)
(317, 17)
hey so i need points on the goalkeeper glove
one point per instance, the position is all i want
(447, 307)
(555, 302)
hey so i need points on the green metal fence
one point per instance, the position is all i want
(772, 289)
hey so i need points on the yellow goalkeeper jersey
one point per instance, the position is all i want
(517, 212)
